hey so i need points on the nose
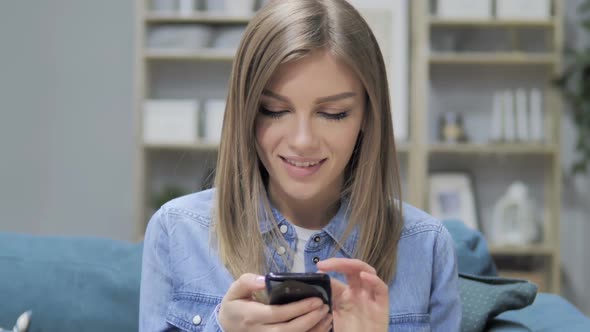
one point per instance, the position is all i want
(303, 138)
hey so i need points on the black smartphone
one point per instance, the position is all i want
(285, 288)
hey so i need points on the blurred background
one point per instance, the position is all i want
(110, 108)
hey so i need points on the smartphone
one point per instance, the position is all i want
(285, 288)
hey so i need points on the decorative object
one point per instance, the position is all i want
(186, 37)
(575, 85)
(497, 127)
(513, 220)
(509, 117)
(451, 128)
(451, 197)
(522, 119)
(464, 9)
(536, 121)
(214, 109)
(167, 194)
(164, 6)
(228, 37)
(523, 9)
(239, 7)
(22, 323)
(170, 121)
(186, 7)
(390, 25)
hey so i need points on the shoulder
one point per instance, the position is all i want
(193, 210)
(417, 221)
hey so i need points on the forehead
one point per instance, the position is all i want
(319, 73)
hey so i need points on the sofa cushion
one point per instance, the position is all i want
(70, 284)
(484, 298)
(472, 250)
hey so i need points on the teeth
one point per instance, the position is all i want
(302, 164)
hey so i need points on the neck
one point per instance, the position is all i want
(313, 213)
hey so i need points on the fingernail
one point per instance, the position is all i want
(260, 280)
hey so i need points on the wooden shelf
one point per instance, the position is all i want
(200, 146)
(206, 54)
(529, 250)
(488, 58)
(487, 149)
(447, 22)
(197, 17)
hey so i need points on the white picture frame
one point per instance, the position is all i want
(451, 197)
(389, 22)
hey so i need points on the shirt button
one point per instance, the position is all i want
(282, 250)
(316, 259)
(316, 238)
(283, 228)
(197, 320)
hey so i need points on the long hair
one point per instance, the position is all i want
(280, 32)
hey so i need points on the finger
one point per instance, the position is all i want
(349, 267)
(270, 314)
(345, 265)
(324, 325)
(304, 322)
(378, 289)
(243, 288)
(337, 286)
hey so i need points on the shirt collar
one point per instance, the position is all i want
(335, 228)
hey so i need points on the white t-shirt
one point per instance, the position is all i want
(303, 235)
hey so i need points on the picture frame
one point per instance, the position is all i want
(389, 22)
(451, 197)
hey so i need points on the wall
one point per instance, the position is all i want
(67, 145)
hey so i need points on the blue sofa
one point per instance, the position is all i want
(92, 284)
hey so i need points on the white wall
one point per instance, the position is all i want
(66, 83)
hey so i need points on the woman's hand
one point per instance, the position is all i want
(363, 304)
(239, 312)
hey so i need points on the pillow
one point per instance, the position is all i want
(70, 283)
(485, 297)
(472, 250)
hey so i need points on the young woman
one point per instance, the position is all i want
(306, 180)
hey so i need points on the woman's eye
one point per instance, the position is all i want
(273, 114)
(335, 116)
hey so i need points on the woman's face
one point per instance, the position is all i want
(309, 119)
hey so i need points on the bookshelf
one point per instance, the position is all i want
(432, 68)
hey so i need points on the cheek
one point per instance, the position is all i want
(265, 137)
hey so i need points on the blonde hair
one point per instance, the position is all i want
(284, 31)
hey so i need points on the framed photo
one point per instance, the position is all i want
(390, 25)
(451, 197)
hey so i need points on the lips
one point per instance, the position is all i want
(302, 167)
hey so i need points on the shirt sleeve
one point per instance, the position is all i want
(445, 302)
(156, 287)
(155, 291)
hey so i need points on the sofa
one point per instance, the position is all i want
(92, 284)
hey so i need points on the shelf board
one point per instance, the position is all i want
(199, 146)
(205, 54)
(514, 148)
(449, 22)
(197, 17)
(489, 58)
(529, 250)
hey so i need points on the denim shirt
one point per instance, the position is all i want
(183, 281)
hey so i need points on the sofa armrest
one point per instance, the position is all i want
(548, 312)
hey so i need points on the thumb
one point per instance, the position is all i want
(243, 288)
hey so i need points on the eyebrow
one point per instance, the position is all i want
(321, 100)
